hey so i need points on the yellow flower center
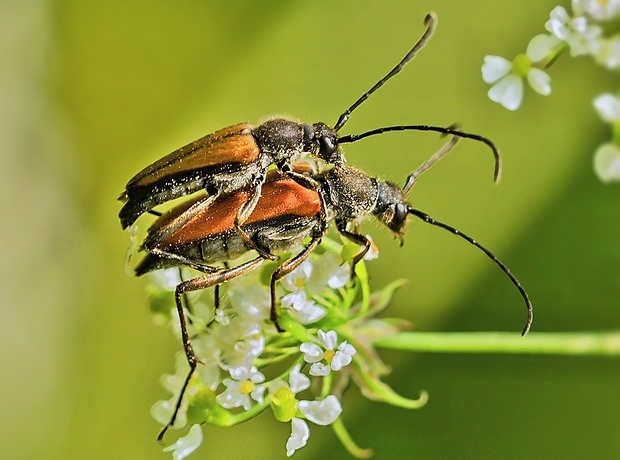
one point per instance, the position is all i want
(284, 404)
(329, 355)
(298, 283)
(521, 65)
(247, 387)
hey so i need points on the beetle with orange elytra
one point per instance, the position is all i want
(238, 157)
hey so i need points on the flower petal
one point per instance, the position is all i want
(312, 352)
(187, 444)
(508, 92)
(340, 360)
(162, 410)
(558, 18)
(608, 107)
(540, 81)
(540, 46)
(494, 68)
(304, 310)
(299, 436)
(298, 381)
(328, 339)
(319, 370)
(607, 162)
(339, 277)
(321, 412)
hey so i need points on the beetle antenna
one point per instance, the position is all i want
(530, 313)
(428, 163)
(438, 129)
(430, 20)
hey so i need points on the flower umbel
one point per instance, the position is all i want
(327, 316)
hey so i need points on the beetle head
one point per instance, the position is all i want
(322, 141)
(392, 207)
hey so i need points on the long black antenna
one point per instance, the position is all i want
(438, 129)
(530, 312)
(431, 21)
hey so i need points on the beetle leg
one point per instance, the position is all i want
(357, 238)
(287, 267)
(312, 184)
(196, 284)
(245, 211)
(183, 260)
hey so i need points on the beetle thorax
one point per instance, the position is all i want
(281, 139)
(352, 194)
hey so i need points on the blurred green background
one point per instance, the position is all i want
(94, 91)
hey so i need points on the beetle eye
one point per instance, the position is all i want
(400, 215)
(328, 146)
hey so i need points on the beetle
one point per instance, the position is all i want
(237, 157)
(286, 214)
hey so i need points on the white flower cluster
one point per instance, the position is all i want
(592, 29)
(237, 344)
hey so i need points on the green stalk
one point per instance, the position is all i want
(552, 343)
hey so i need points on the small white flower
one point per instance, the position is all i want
(306, 311)
(297, 381)
(601, 10)
(321, 412)
(609, 53)
(607, 162)
(250, 301)
(581, 36)
(329, 272)
(559, 23)
(187, 444)
(297, 279)
(608, 107)
(239, 390)
(285, 393)
(300, 434)
(329, 358)
(507, 77)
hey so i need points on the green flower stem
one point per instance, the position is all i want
(554, 55)
(347, 441)
(552, 343)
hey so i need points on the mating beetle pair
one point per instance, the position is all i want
(248, 207)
